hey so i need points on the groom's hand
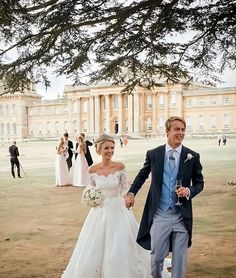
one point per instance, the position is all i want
(129, 200)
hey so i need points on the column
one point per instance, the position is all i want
(69, 118)
(91, 115)
(154, 113)
(142, 121)
(130, 113)
(120, 114)
(108, 112)
(97, 115)
(136, 114)
(79, 116)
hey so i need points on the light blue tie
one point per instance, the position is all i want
(172, 160)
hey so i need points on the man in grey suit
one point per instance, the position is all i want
(166, 225)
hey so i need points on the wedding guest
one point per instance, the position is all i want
(219, 140)
(14, 153)
(69, 147)
(224, 139)
(81, 176)
(106, 246)
(166, 224)
(87, 154)
(61, 167)
(125, 140)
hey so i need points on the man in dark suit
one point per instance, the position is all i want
(88, 154)
(14, 153)
(69, 147)
(165, 225)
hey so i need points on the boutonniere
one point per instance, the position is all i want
(189, 157)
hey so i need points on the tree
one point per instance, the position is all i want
(139, 42)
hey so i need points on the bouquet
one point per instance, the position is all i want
(93, 197)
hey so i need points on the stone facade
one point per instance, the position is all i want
(103, 109)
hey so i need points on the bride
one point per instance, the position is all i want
(107, 243)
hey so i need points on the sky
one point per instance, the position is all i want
(58, 83)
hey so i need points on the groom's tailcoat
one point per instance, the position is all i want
(191, 175)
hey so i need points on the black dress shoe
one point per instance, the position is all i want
(20, 177)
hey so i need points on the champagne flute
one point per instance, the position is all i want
(178, 185)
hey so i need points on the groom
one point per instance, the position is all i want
(166, 226)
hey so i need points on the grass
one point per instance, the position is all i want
(41, 223)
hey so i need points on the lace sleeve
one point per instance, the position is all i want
(124, 186)
(92, 181)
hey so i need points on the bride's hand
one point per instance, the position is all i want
(129, 200)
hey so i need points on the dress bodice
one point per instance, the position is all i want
(112, 185)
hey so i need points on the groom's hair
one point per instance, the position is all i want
(172, 119)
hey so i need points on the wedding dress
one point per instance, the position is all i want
(107, 246)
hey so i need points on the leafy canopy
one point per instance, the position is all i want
(139, 42)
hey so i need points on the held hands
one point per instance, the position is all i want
(129, 200)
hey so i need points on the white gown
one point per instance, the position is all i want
(61, 171)
(107, 246)
(81, 176)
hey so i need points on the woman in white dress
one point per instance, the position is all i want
(61, 168)
(81, 176)
(107, 246)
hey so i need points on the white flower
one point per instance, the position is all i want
(189, 157)
(92, 197)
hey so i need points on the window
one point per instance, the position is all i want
(84, 127)
(2, 129)
(65, 126)
(115, 102)
(57, 128)
(188, 123)
(173, 100)
(201, 102)
(149, 125)
(74, 107)
(75, 126)
(226, 121)
(149, 102)
(226, 100)
(200, 122)
(213, 101)
(65, 110)
(161, 101)
(13, 109)
(213, 121)
(48, 126)
(14, 128)
(39, 128)
(189, 103)
(8, 129)
(7, 109)
(161, 123)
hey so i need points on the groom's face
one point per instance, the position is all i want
(175, 135)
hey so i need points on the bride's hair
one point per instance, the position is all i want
(102, 139)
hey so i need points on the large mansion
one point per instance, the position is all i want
(103, 109)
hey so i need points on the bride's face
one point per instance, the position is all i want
(107, 149)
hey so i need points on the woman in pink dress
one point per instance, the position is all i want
(81, 176)
(62, 172)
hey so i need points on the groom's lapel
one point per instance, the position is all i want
(159, 163)
(183, 156)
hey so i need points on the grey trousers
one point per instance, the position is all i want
(166, 224)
